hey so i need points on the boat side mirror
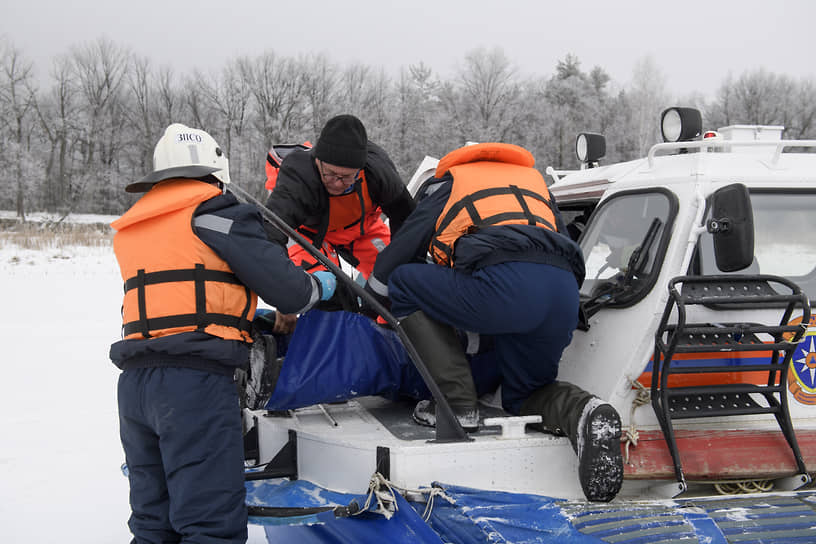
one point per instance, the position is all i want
(731, 225)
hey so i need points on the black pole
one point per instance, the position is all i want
(448, 428)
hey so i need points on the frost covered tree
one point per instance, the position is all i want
(320, 90)
(72, 144)
(17, 105)
(646, 97)
(277, 84)
(417, 123)
(801, 120)
(567, 103)
(141, 112)
(58, 111)
(225, 96)
(104, 138)
(481, 101)
(765, 98)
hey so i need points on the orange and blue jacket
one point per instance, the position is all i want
(300, 199)
(485, 205)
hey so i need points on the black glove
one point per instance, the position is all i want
(367, 308)
(264, 321)
(343, 299)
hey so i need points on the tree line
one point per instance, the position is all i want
(71, 141)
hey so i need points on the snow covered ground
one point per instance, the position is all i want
(61, 455)
(60, 477)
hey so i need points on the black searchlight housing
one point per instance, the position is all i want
(680, 124)
(589, 147)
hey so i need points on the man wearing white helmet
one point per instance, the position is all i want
(194, 260)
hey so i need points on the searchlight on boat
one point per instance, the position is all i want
(679, 124)
(589, 147)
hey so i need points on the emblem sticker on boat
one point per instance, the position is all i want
(802, 373)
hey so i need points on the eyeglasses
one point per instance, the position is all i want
(332, 176)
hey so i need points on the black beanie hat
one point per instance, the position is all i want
(343, 142)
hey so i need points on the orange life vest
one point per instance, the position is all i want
(493, 184)
(174, 282)
(347, 210)
(275, 157)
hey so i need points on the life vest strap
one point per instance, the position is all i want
(468, 204)
(200, 319)
(200, 296)
(141, 281)
(446, 250)
(143, 278)
(184, 320)
(359, 191)
(523, 203)
(508, 216)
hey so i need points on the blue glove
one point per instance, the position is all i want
(328, 283)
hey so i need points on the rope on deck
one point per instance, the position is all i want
(630, 436)
(383, 491)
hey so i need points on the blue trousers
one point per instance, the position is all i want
(530, 309)
(181, 432)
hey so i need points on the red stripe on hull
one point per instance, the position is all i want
(719, 455)
(714, 378)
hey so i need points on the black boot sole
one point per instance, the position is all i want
(600, 464)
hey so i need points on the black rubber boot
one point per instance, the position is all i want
(439, 348)
(594, 430)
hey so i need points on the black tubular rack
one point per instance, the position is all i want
(734, 293)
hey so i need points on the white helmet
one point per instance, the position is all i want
(184, 152)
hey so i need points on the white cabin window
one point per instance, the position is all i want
(784, 244)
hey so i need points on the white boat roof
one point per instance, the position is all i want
(754, 163)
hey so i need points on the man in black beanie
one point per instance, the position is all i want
(335, 194)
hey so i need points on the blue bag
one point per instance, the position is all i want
(336, 356)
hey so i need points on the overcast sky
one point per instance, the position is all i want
(696, 43)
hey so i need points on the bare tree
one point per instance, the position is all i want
(58, 112)
(417, 108)
(647, 97)
(756, 97)
(17, 102)
(567, 103)
(100, 68)
(489, 89)
(760, 97)
(319, 88)
(170, 102)
(228, 95)
(375, 107)
(353, 88)
(802, 119)
(94, 125)
(277, 85)
(142, 113)
(196, 102)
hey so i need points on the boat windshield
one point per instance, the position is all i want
(783, 242)
(623, 246)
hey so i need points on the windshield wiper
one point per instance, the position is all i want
(610, 291)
